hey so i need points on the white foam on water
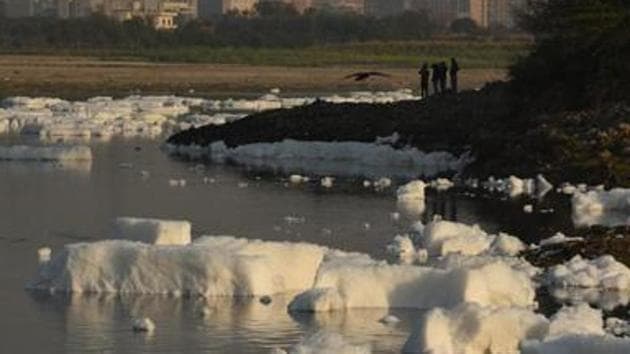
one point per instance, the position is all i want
(441, 238)
(473, 329)
(411, 199)
(596, 207)
(54, 119)
(330, 158)
(559, 238)
(143, 325)
(515, 186)
(470, 328)
(45, 153)
(603, 273)
(209, 266)
(341, 284)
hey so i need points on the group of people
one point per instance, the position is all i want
(438, 75)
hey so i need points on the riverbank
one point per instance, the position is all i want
(505, 138)
(83, 77)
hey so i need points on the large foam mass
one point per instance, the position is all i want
(210, 266)
(470, 328)
(341, 285)
(338, 158)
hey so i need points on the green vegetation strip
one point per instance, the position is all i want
(471, 54)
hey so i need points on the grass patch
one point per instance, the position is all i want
(471, 54)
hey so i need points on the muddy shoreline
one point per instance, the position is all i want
(589, 146)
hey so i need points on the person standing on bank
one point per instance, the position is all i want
(453, 73)
(424, 80)
(435, 78)
(443, 72)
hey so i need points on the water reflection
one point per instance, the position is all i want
(43, 205)
(17, 168)
(103, 323)
(610, 218)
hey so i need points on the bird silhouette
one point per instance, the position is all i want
(360, 76)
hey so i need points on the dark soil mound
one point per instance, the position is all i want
(591, 146)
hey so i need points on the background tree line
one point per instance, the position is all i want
(272, 24)
(580, 54)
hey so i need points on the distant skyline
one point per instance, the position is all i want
(486, 13)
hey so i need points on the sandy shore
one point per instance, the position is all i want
(78, 77)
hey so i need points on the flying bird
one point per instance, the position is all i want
(360, 76)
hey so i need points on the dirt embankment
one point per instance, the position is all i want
(82, 77)
(589, 146)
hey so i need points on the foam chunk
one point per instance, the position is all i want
(515, 186)
(143, 325)
(332, 158)
(413, 190)
(210, 266)
(147, 116)
(402, 251)
(575, 344)
(46, 153)
(576, 330)
(411, 198)
(442, 184)
(341, 284)
(506, 245)
(578, 320)
(444, 237)
(470, 328)
(441, 238)
(609, 208)
(153, 231)
(297, 179)
(559, 238)
(604, 273)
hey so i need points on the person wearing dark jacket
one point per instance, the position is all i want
(443, 71)
(453, 73)
(424, 80)
(435, 78)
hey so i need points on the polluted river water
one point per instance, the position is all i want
(50, 204)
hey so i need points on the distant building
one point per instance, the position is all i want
(486, 13)
(490, 13)
(238, 6)
(300, 5)
(44, 8)
(210, 8)
(164, 21)
(18, 8)
(381, 8)
(164, 14)
(355, 6)
(79, 8)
